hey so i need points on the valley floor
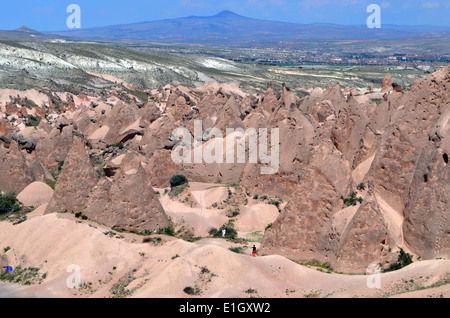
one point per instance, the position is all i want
(122, 265)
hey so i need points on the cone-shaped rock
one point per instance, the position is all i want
(75, 182)
(126, 202)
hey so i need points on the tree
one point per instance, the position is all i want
(177, 180)
(404, 259)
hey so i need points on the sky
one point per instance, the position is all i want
(51, 15)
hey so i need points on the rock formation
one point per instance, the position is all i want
(361, 176)
(387, 83)
(16, 170)
(404, 160)
(75, 182)
(126, 202)
(53, 147)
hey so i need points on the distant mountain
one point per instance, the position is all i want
(227, 26)
(26, 34)
(25, 29)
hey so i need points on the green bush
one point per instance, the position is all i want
(317, 263)
(117, 145)
(230, 232)
(28, 103)
(146, 232)
(175, 191)
(23, 276)
(352, 199)
(233, 213)
(276, 203)
(237, 249)
(50, 183)
(8, 203)
(361, 186)
(32, 121)
(376, 100)
(190, 290)
(81, 215)
(167, 230)
(177, 180)
(155, 240)
(404, 259)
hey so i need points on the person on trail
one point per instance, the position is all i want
(254, 251)
(224, 232)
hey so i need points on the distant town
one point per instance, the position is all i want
(318, 54)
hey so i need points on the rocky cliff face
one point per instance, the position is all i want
(17, 169)
(125, 201)
(361, 174)
(75, 182)
(400, 151)
(426, 203)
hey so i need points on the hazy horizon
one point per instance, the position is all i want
(51, 15)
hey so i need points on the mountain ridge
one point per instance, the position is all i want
(227, 26)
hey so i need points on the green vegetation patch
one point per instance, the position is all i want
(23, 276)
(192, 290)
(351, 199)
(237, 249)
(177, 190)
(404, 259)
(230, 231)
(8, 203)
(32, 121)
(323, 267)
(178, 180)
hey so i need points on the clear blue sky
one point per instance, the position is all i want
(50, 15)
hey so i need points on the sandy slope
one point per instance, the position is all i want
(201, 218)
(254, 217)
(36, 193)
(394, 221)
(55, 241)
(123, 265)
(10, 290)
(31, 94)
